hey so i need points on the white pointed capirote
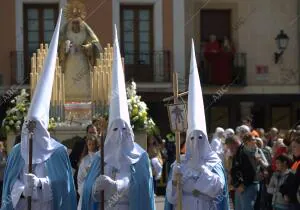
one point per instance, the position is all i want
(198, 150)
(196, 116)
(118, 102)
(43, 144)
(120, 149)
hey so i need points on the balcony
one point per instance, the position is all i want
(215, 67)
(148, 67)
(141, 67)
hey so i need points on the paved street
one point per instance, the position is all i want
(160, 201)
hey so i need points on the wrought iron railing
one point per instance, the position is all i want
(237, 66)
(154, 66)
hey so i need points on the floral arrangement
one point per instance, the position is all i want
(16, 114)
(138, 111)
(18, 111)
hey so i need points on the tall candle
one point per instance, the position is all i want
(59, 86)
(103, 87)
(98, 87)
(108, 93)
(63, 88)
(56, 86)
(92, 83)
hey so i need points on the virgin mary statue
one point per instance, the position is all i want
(79, 48)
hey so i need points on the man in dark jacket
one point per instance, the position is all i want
(244, 174)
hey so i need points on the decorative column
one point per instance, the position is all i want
(179, 41)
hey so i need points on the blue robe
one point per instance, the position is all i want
(222, 200)
(141, 194)
(59, 172)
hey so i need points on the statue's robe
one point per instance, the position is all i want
(78, 62)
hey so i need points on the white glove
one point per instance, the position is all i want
(176, 171)
(104, 182)
(31, 183)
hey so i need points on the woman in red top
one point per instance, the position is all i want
(212, 54)
(225, 74)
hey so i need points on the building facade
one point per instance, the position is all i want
(259, 88)
(155, 38)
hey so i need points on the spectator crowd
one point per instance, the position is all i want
(263, 168)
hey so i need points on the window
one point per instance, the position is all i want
(217, 22)
(39, 25)
(136, 34)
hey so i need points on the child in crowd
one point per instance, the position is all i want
(283, 163)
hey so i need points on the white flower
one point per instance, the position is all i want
(143, 106)
(7, 127)
(23, 92)
(133, 85)
(17, 128)
(133, 93)
(21, 99)
(151, 122)
(129, 106)
(18, 122)
(11, 122)
(130, 93)
(12, 101)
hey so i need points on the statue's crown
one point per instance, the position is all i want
(75, 9)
